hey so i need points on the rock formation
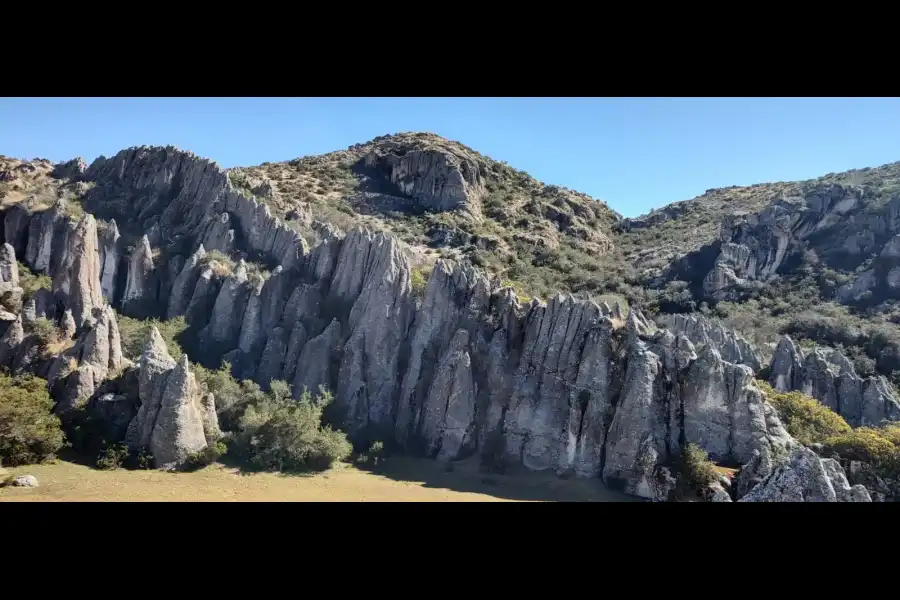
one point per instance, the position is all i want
(564, 385)
(78, 279)
(829, 377)
(805, 477)
(82, 368)
(9, 267)
(178, 431)
(139, 284)
(702, 331)
(110, 254)
(173, 421)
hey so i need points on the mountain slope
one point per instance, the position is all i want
(267, 269)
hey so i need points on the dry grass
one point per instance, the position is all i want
(406, 481)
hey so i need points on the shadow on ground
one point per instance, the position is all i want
(466, 476)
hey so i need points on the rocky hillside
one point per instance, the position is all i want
(397, 275)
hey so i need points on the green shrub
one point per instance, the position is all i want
(875, 446)
(45, 331)
(112, 458)
(32, 282)
(418, 279)
(278, 433)
(374, 456)
(232, 397)
(806, 420)
(697, 471)
(29, 432)
(207, 456)
(134, 334)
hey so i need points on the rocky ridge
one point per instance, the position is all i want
(464, 370)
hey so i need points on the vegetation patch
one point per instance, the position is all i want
(805, 418)
(29, 432)
(31, 282)
(134, 334)
(278, 433)
(696, 469)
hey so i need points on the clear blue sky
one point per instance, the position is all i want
(636, 154)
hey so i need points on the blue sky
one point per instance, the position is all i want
(636, 154)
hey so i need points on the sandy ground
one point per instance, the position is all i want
(401, 481)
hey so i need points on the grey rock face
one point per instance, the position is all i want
(67, 324)
(671, 396)
(373, 272)
(787, 363)
(139, 284)
(115, 411)
(227, 315)
(251, 333)
(541, 390)
(829, 377)
(178, 431)
(97, 353)
(702, 331)
(9, 343)
(454, 298)
(110, 253)
(324, 254)
(211, 430)
(271, 366)
(203, 299)
(724, 412)
(449, 410)
(183, 287)
(591, 405)
(70, 169)
(807, 478)
(314, 367)
(9, 268)
(219, 235)
(295, 345)
(755, 246)
(637, 436)
(439, 180)
(155, 366)
(78, 281)
(757, 469)
(43, 229)
(184, 192)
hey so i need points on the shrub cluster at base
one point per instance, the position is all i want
(29, 432)
(696, 470)
(278, 433)
(812, 423)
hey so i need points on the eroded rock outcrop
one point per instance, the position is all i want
(440, 180)
(80, 370)
(173, 420)
(702, 331)
(140, 287)
(182, 195)
(183, 287)
(110, 254)
(829, 377)
(805, 477)
(373, 273)
(78, 281)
